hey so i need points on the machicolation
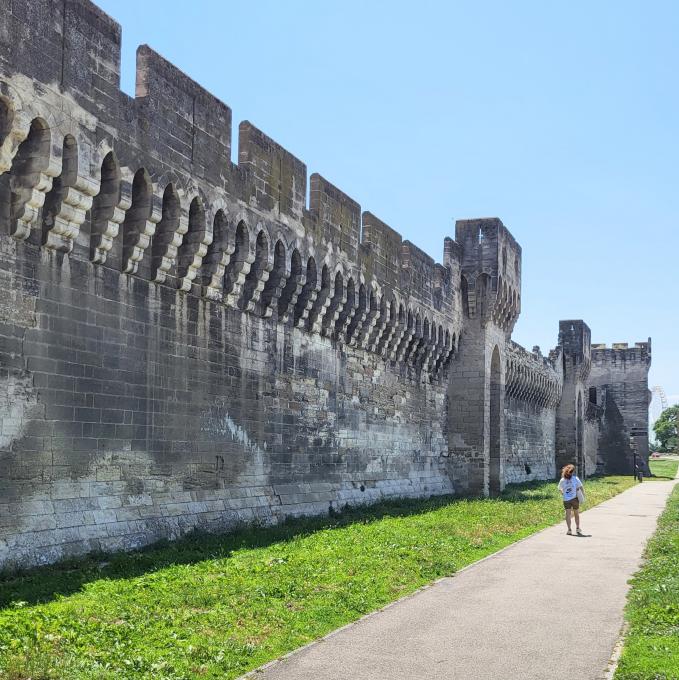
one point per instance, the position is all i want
(185, 343)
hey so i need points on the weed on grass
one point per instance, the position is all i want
(651, 650)
(217, 606)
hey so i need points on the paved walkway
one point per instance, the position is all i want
(548, 607)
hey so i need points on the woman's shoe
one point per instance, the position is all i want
(569, 533)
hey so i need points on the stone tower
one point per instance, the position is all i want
(619, 383)
(574, 343)
(490, 282)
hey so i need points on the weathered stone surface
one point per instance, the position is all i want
(620, 397)
(184, 343)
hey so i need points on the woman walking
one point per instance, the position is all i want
(568, 486)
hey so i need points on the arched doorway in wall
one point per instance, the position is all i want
(579, 453)
(494, 484)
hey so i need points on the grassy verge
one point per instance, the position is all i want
(217, 606)
(651, 650)
(664, 469)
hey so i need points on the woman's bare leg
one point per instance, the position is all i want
(568, 518)
(577, 519)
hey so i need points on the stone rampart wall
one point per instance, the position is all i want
(188, 342)
(183, 341)
(532, 392)
(132, 411)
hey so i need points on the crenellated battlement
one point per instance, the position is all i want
(619, 386)
(145, 185)
(491, 271)
(639, 353)
(188, 342)
(575, 345)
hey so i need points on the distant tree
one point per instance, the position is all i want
(665, 429)
(653, 446)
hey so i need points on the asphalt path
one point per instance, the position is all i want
(547, 607)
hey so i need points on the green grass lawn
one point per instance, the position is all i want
(665, 469)
(651, 650)
(217, 606)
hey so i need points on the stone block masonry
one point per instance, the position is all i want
(533, 390)
(619, 391)
(184, 343)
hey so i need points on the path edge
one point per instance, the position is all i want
(614, 661)
(281, 659)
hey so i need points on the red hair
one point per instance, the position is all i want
(567, 471)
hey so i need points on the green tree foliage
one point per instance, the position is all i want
(665, 429)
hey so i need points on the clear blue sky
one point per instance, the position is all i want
(562, 119)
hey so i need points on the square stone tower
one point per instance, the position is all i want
(619, 383)
(490, 282)
(575, 346)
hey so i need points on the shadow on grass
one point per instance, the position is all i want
(43, 584)
(528, 491)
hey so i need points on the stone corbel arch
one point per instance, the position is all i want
(416, 338)
(241, 245)
(294, 282)
(110, 204)
(407, 337)
(399, 328)
(15, 122)
(428, 347)
(172, 226)
(390, 325)
(260, 268)
(325, 279)
(349, 309)
(140, 221)
(73, 190)
(278, 275)
(364, 332)
(196, 240)
(34, 164)
(310, 289)
(437, 349)
(218, 252)
(381, 320)
(360, 313)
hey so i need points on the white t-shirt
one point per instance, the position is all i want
(569, 487)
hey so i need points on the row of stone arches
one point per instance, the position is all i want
(529, 384)
(55, 194)
(161, 236)
(175, 234)
(507, 306)
(287, 280)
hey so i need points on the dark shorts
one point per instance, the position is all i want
(573, 504)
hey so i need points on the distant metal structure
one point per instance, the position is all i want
(658, 403)
(660, 392)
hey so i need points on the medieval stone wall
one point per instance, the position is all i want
(135, 412)
(185, 342)
(533, 392)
